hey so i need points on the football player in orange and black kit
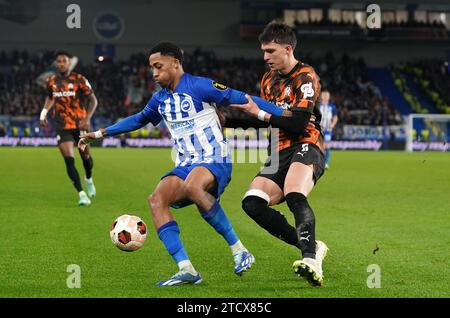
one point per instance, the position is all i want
(296, 158)
(65, 91)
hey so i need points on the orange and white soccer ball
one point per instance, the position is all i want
(128, 232)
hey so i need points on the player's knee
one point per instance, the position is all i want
(193, 191)
(254, 202)
(156, 202)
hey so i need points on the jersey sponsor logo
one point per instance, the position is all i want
(64, 94)
(307, 90)
(187, 105)
(183, 126)
(70, 86)
(219, 86)
(284, 105)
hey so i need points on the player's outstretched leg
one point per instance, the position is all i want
(255, 205)
(168, 191)
(310, 266)
(217, 218)
(169, 234)
(199, 180)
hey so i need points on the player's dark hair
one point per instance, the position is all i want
(58, 53)
(168, 49)
(279, 33)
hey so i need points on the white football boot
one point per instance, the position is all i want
(84, 199)
(310, 268)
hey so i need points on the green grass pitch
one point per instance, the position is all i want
(397, 201)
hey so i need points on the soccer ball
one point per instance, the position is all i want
(128, 232)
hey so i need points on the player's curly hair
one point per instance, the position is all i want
(62, 52)
(279, 33)
(170, 49)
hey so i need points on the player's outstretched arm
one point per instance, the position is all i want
(238, 97)
(292, 121)
(128, 124)
(133, 122)
(212, 91)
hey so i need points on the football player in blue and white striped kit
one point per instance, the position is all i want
(328, 122)
(186, 104)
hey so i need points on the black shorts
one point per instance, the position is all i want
(308, 154)
(65, 135)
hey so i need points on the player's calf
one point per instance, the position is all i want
(305, 223)
(255, 205)
(169, 234)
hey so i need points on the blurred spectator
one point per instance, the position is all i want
(123, 87)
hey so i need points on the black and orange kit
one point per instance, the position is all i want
(68, 111)
(297, 91)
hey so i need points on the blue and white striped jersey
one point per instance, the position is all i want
(189, 113)
(328, 112)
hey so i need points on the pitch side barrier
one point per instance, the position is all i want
(240, 144)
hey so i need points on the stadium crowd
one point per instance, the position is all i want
(123, 87)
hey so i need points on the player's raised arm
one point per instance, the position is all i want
(130, 123)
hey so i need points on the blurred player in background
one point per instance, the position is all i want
(294, 86)
(65, 90)
(186, 104)
(328, 122)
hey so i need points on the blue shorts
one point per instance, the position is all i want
(327, 135)
(220, 171)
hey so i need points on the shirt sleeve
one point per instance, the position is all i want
(211, 91)
(334, 110)
(151, 112)
(306, 92)
(85, 86)
(136, 121)
(49, 87)
(238, 97)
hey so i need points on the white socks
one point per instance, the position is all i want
(237, 247)
(187, 266)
